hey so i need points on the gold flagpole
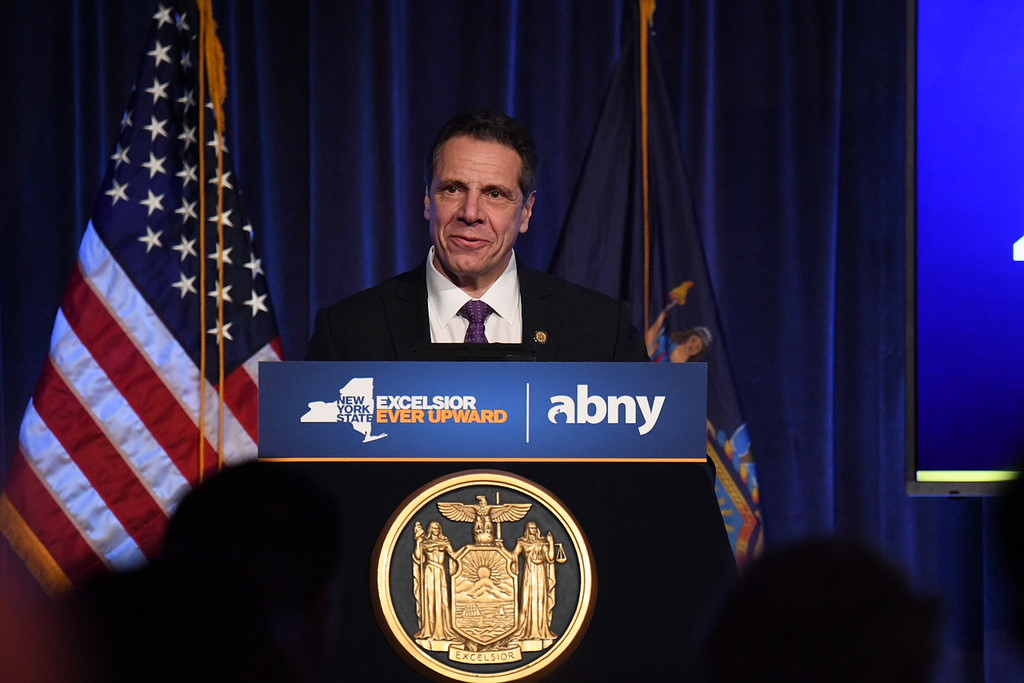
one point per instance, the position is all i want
(646, 23)
(212, 78)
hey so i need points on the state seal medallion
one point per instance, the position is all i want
(483, 576)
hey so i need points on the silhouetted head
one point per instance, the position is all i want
(823, 610)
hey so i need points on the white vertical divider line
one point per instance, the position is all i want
(527, 412)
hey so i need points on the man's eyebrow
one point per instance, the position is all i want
(452, 182)
(448, 182)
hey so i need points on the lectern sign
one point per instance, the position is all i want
(482, 410)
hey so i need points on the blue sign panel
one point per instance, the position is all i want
(482, 410)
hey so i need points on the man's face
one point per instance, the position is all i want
(476, 210)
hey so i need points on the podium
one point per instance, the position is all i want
(621, 445)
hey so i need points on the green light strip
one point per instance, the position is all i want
(966, 475)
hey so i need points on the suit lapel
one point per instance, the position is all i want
(405, 307)
(542, 321)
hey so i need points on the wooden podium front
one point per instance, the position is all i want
(660, 550)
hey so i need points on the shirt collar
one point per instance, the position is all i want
(445, 298)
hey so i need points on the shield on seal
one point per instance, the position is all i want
(484, 606)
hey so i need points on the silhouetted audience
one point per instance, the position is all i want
(823, 610)
(243, 590)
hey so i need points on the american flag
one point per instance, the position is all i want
(151, 380)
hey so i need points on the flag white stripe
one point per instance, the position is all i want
(123, 427)
(74, 493)
(252, 364)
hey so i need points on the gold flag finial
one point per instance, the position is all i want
(213, 57)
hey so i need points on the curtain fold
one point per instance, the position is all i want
(791, 119)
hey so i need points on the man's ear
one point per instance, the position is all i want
(426, 203)
(524, 224)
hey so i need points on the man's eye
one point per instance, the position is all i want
(495, 194)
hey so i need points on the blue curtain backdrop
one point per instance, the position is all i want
(791, 121)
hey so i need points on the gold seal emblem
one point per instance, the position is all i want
(483, 576)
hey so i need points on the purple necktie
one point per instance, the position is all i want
(476, 313)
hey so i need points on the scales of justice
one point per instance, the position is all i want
(483, 603)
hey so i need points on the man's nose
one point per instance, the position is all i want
(470, 211)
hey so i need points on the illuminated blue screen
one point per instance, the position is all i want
(970, 225)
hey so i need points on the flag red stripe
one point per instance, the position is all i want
(278, 347)
(240, 395)
(131, 373)
(241, 390)
(102, 464)
(50, 523)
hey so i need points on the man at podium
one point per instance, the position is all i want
(480, 174)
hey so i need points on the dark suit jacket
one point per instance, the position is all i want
(388, 321)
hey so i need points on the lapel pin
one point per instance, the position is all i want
(540, 336)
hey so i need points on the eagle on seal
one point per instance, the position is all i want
(483, 516)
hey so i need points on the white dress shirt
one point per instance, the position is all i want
(444, 300)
